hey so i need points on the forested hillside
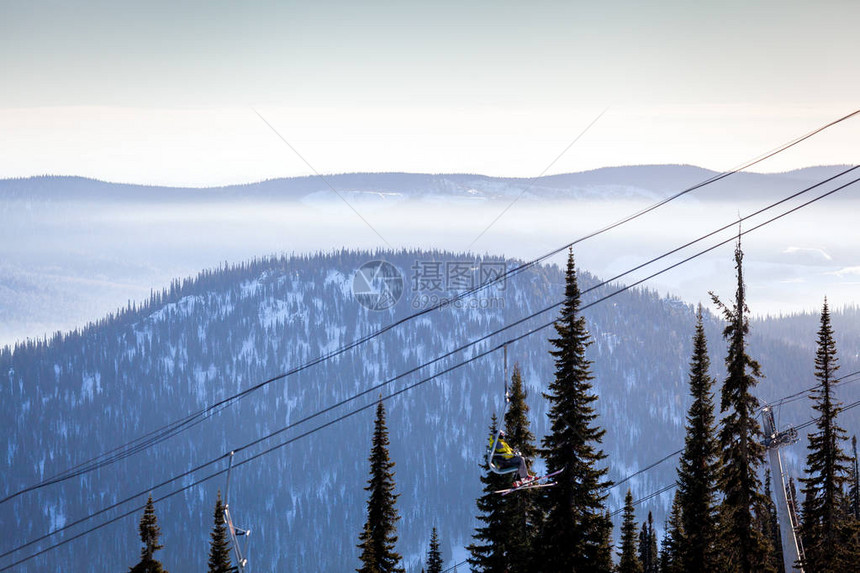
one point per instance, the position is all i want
(83, 393)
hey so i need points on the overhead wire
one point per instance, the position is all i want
(674, 485)
(407, 388)
(553, 306)
(802, 394)
(170, 430)
(781, 401)
(648, 496)
(177, 426)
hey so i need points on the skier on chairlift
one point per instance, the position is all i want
(504, 457)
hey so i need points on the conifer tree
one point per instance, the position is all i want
(490, 547)
(791, 492)
(516, 518)
(673, 540)
(772, 526)
(573, 533)
(603, 562)
(853, 508)
(697, 471)
(628, 559)
(379, 535)
(219, 547)
(434, 555)
(149, 535)
(854, 489)
(520, 514)
(648, 554)
(743, 546)
(825, 523)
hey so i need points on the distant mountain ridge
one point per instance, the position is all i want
(73, 249)
(648, 177)
(82, 393)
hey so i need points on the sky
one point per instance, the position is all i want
(220, 91)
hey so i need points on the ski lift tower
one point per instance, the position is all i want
(232, 530)
(787, 517)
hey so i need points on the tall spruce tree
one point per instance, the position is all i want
(219, 546)
(573, 533)
(379, 535)
(699, 465)
(648, 554)
(490, 546)
(629, 561)
(149, 536)
(516, 517)
(520, 513)
(825, 523)
(434, 554)
(744, 547)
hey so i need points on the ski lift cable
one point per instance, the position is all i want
(669, 487)
(808, 423)
(648, 497)
(802, 394)
(552, 307)
(265, 452)
(166, 432)
(379, 386)
(223, 471)
(677, 452)
(412, 386)
(154, 438)
(455, 565)
(179, 425)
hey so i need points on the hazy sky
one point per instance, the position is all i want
(166, 91)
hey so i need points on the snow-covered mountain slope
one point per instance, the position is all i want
(76, 395)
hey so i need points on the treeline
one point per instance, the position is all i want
(722, 518)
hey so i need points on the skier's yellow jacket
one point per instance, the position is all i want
(502, 449)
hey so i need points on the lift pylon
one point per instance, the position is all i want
(235, 532)
(792, 550)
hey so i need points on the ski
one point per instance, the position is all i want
(538, 482)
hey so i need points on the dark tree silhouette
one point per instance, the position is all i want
(149, 536)
(573, 536)
(648, 554)
(854, 489)
(628, 559)
(673, 541)
(743, 546)
(219, 546)
(699, 465)
(379, 535)
(520, 513)
(825, 521)
(434, 555)
(490, 544)
(511, 522)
